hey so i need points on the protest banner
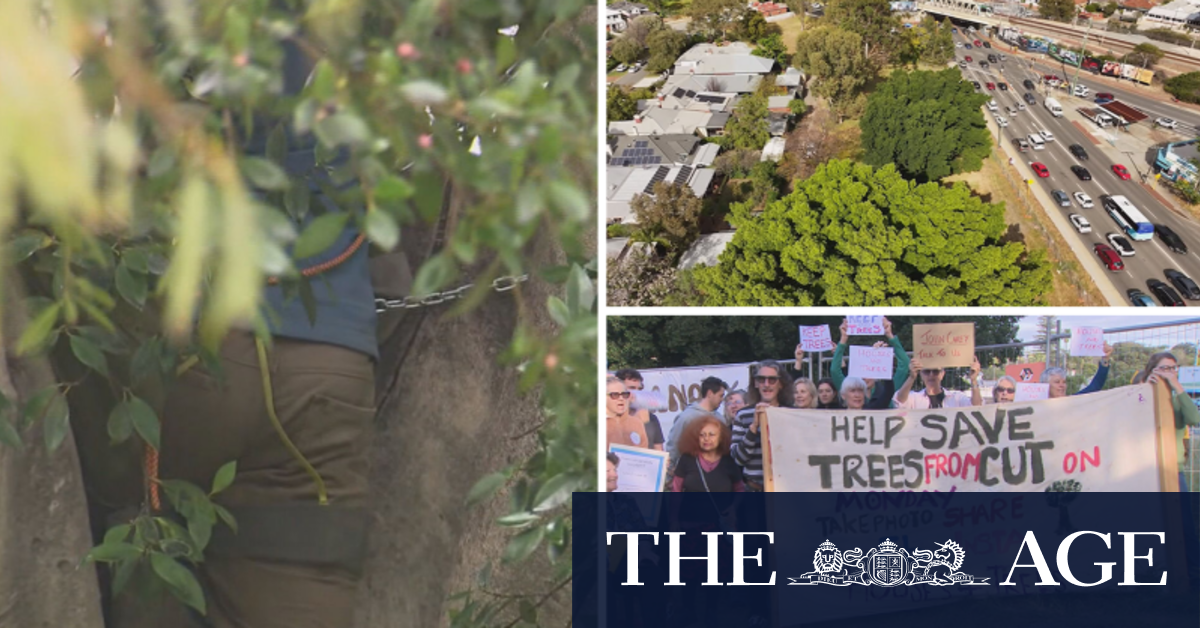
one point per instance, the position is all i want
(871, 363)
(642, 471)
(1112, 440)
(864, 325)
(815, 338)
(1087, 341)
(676, 388)
(942, 345)
(1026, 372)
(1031, 392)
(1189, 375)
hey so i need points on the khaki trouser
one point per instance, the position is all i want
(294, 564)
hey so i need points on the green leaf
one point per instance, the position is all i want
(430, 188)
(277, 145)
(523, 544)
(309, 300)
(131, 286)
(35, 408)
(558, 310)
(123, 574)
(201, 532)
(161, 160)
(424, 93)
(9, 434)
(435, 273)
(382, 229)
(264, 173)
(569, 199)
(180, 580)
(392, 190)
(113, 552)
(342, 129)
(117, 533)
(517, 519)
(554, 493)
(120, 422)
(26, 244)
(39, 329)
(227, 517)
(145, 360)
(145, 421)
(320, 234)
(58, 421)
(486, 487)
(89, 354)
(296, 200)
(581, 293)
(224, 477)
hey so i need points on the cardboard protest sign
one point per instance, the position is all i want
(1087, 341)
(815, 338)
(1106, 441)
(1189, 375)
(1032, 392)
(942, 345)
(1026, 372)
(864, 325)
(870, 363)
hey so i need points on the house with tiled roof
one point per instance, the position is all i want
(658, 121)
(653, 150)
(625, 184)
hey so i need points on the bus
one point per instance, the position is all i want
(1128, 217)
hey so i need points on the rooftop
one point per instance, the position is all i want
(626, 183)
(705, 250)
(629, 150)
(710, 84)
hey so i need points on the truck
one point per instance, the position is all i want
(1053, 107)
(1100, 117)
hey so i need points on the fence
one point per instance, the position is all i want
(1132, 347)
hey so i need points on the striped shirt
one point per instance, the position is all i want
(746, 448)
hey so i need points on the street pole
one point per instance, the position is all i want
(1083, 52)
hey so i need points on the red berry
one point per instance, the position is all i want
(551, 361)
(464, 66)
(407, 51)
(425, 140)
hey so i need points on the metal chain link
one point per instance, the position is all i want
(500, 284)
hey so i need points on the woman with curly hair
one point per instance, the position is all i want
(704, 461)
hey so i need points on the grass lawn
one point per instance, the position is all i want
(791, 28)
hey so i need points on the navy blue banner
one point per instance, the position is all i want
(733, 560)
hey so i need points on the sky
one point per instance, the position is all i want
(1027, 326)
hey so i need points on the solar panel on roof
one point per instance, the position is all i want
(678, 93)
(690, 94)
(683, 175)
(659, 175)
(641, 144)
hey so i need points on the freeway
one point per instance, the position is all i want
(1151, 257)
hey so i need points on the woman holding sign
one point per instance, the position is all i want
(1164, 367)
(1057, 377)
(934, 396)
(879, 392)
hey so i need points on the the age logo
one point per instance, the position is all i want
(888, 565)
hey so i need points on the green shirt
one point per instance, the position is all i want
(898, 378)
(1186, 414)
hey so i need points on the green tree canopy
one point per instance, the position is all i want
(748, 128)
(935, 40)
(621, 106)
(1145, 55)
(670, 341)
(835, 57)
(664, 45)
(1109, 9)
(716, 17)
(929, 124)
(1061, 10)
(753, 27)
(1185, 87)
(873, 20)
(671, 217)
(854, 235)
(627, 50)
(772, 47)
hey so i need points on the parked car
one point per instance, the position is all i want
(1121, 171)
(1121, 244)
(1139, 298)
(620, 68)
(1081, 224)
(1021, 106)
(1078, 151)
(1084, 200)
(1166, 123)
(1082, 173)
(1166, 295)
(1171, 239)
(1028, 84)
(962, 64)
(1061, 198)
(1104, 97)
(1109, 257)
(1040, 169)
(1183, 283)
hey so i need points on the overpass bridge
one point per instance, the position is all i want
(977, 12)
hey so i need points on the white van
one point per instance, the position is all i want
(1037, 142)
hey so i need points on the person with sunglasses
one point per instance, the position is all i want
(1164, 367)
(1005, 390)
(933, 395)
(772, 386)
(635, 383)
(1057, 377)
(623, 428)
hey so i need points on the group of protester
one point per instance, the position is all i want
(715, 444)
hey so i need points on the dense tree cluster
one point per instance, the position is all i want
(929, 124)
(1061, 10)
(1185, 87)
(837, 59)
(853, 235)
(670, 218)
(747, 127)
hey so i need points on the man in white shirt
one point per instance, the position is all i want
(934, 396)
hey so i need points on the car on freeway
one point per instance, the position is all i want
(1081, 224)
(1061, 198)
(954, 30)
(991, 105)
(1021, 106)
(1021, 144)
(1104, 97)
(1166, 294)
(991, 86)
(977, 43)
(1139, 298)
(1078, 151)
(1012, 111)
(986, 45)
(1121, 171)
(1040, 169)
(976, 84)
(1082, 173)
(1121, 244)
(992, 58)
(1108, 256)
(983, 64)
(1171, 239)
(1028, 84)
(1166, 123)
(1001, 121)
(1029, 98)
(1003, 86)
(967, 46)
(1084, 200)
(958, 44)
(1183, 283)
(1046, 135)
(968, 58)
